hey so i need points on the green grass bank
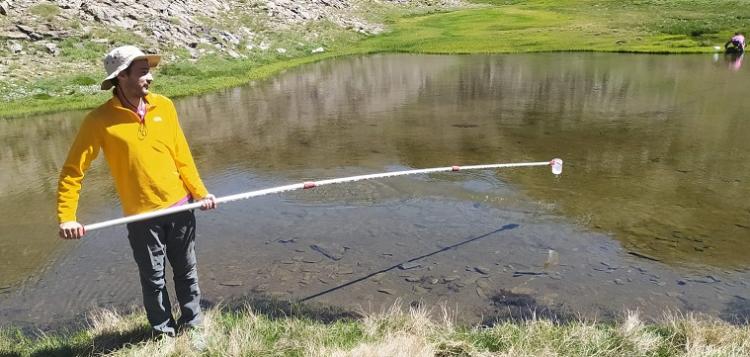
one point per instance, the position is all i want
(489, 26)
(397, 332)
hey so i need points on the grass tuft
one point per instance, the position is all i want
(396, 331)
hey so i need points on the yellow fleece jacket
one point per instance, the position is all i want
(151, 162)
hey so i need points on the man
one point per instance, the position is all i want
(152, 167)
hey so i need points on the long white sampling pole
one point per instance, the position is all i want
(556, 165)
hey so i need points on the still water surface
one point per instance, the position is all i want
(651, 211)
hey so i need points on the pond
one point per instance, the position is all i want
(651, 211)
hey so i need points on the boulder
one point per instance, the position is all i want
(55, 35)
(52, 48)
(14, 35)
(25, 29)
(69, 4)
(15, 47)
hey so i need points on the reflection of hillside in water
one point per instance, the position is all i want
(326, 115)
(653, 144)
(654, 152)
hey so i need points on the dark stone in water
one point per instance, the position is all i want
(327, 252)
(464, 126)
(386, 291)
(509, 306)
(532, 273)
(644, 256)
(708, 279)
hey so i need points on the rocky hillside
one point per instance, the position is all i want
(54, 35)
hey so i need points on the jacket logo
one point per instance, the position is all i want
(157, 119)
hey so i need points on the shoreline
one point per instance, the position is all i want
(273, 327)
(533, 27)
(27, 108)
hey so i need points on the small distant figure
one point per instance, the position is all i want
(736, 44)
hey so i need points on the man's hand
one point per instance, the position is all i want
(71, 230)
(208, 202)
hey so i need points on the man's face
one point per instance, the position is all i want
(135, 82)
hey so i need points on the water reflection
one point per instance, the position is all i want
(654, 145)
(734, 60)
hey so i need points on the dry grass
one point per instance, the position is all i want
(397, 331)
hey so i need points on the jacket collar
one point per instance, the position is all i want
(150, 99)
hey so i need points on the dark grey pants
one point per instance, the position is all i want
(172, 236)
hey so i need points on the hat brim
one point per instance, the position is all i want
(153, 61)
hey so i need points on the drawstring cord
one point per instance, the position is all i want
(140, 110)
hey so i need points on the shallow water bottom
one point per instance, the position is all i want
(477, 259)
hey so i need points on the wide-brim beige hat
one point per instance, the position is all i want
(120, 58)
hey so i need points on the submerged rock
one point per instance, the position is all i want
(449, 278)
(386, 291)
(231, 283)
(480, 293)
(708, 279)
(409, 265)
(330, 252)
(532, 273)
(481, 270)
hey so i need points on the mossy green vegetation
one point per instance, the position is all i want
(414, 332)
(537, 26)
(47, 11)
(490, 26)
